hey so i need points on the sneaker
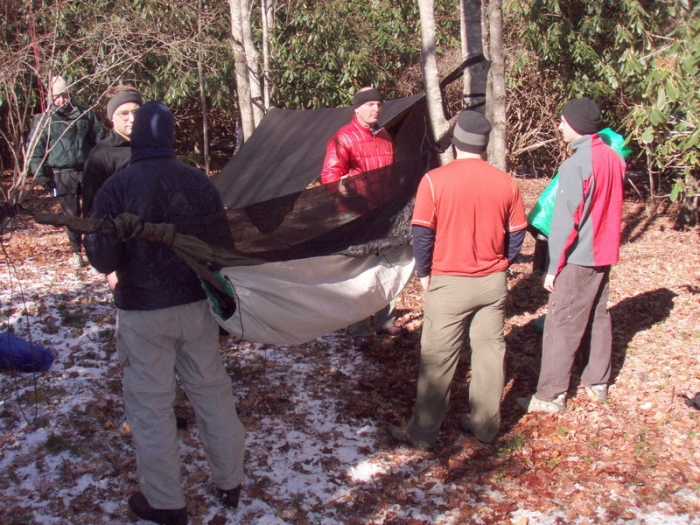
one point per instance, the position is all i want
(535, 404)
(138, 504)
(400, 434)
(230, 497)
(465, 423)
(598, 393)
(77, 261)
(393, 331)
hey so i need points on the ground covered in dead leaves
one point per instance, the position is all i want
(315, 414)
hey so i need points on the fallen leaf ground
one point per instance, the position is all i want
(317, 452)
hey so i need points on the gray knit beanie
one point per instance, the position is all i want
(471, 133)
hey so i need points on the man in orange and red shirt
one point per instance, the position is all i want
(468, 226)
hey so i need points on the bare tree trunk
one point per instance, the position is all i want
(202, 93)
(245, 57)
(486, 43)
(438, 122)
(267, 10)
(498, 145)
(475, 77)
(245, 103)
(252, 62)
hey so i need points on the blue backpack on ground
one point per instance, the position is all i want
(18, 354)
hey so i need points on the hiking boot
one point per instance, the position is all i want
(138, 504)
(230, 497)
(465, 423)
(534, 404)
(598, 393)
(392, 331)
(400, 434)
(693, 402)
(77, 261)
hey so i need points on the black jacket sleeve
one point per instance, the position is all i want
(514, 241)
(423, 243)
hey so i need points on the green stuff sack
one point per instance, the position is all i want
(615, 141)
(540, 216)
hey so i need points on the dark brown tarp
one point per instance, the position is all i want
(285, 152)
(278, 212)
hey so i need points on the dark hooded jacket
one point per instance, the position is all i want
(160, 189)
(111, 154)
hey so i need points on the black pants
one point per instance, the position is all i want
(540, 258)
(68, 188)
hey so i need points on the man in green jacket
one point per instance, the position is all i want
(60, 141)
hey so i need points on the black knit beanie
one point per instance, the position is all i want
(583, 115)
(471, 133)
(366, 95)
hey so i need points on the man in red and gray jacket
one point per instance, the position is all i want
(584, 242)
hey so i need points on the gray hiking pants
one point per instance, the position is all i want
(383, 319)
(579, 301)
(152, 345)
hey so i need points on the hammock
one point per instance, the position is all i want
(288, 302)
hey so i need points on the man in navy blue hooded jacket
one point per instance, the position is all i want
(164, 323)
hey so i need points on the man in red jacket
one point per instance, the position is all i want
(361, 145)
(357, 148)
(584, 242)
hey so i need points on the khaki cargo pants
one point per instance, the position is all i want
(152, 346)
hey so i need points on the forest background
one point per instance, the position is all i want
(315, 413)
(218, 64)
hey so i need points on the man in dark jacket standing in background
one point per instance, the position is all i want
(113, 153)
(584, 242)
(62, 138)
(164, 323)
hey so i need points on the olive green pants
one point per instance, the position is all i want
(455, 306)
